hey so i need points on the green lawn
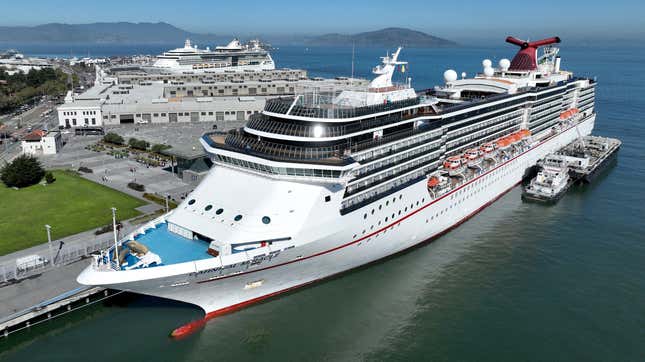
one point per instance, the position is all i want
(70, 205)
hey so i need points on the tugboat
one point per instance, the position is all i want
(551, 182)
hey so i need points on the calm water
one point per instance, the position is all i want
(516, 282)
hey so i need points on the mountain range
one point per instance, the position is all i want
(164, 33)
(389, 37)
(120, 32)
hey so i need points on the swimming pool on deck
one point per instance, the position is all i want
(172, 248)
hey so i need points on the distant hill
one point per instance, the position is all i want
(121, 32)
(389, 37)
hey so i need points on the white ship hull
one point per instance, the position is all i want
(178, 68)
(219, 290)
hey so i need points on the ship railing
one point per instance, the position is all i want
(330, 110)
(288, 128)
(263, 147)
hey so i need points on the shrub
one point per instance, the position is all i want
(138, 144)
(137, 187)
(114, 138)
(105, 228)
(49, 177)
(23, 171)
(160, 200)
(157, 148)
(85, 169)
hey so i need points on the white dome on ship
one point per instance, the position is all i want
(486, 63)
(450, 75)
(489, 71)
(504, 64)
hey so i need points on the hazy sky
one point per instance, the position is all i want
(454, 19)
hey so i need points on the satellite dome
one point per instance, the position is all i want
(463, 75)
(489, 71)
(450, 75)
(487, 63)
(504, 64)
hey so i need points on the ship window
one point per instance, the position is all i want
(219, 211)
(266, 220)
(372, 211)
(237, 217)
(208, 207)
(365, 216)
(192, 201)
(327, 198)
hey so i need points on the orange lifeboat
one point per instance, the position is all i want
(487, 147)
(569, 113)
(503, 142)
(524, 133)
(472, 154)
(433, 181)
(452, 163)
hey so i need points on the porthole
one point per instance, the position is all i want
(365, 216)
(192, 201)
(208, 207)
(265, 219)
(237, 217)
(219, 211)
(372, 211)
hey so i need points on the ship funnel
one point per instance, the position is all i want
(526, 57)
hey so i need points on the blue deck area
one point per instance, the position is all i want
(172, 248)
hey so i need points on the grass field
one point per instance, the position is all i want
(70, 205)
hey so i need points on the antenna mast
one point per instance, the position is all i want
(351, 82)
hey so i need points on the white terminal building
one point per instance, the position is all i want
(142, 98)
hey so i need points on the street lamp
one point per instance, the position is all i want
(116, 246)
(49, 244)
(167, 197)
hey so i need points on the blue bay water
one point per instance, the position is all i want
(516, 282)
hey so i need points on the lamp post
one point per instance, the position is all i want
(167, 197)
(49, 243)
(116, 245)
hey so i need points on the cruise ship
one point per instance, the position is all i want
(318, 184)
(234, 56)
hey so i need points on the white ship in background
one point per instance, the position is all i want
(319, 183)
(235, 56)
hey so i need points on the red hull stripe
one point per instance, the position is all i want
(196, 325)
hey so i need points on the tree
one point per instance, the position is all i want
(22, 172)
(49, 177)
(114, 138)
(138, 144)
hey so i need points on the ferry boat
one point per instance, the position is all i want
(319, 184)
(234, 56)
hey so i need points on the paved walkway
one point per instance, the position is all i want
(29, 292)
(116, 172)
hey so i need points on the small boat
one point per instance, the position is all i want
(454, 165)
(551, 182)
(472, 157)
